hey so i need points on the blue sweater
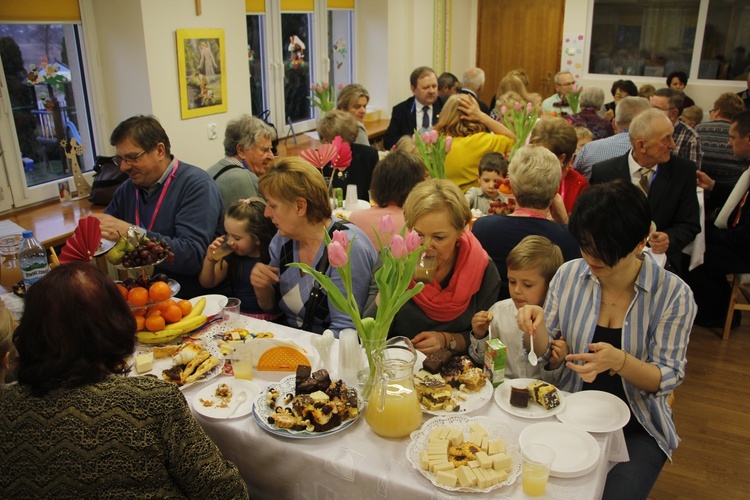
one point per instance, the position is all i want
(190, 218)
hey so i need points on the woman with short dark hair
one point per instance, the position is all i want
(678, 80)
(621, 323)
(73, 426)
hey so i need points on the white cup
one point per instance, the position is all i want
(351, 200)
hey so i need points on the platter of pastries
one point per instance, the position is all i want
(467, 454)
(184, 364)
(306, 405)
(449, 384)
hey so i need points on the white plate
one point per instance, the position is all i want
(595, 411)
(576, 451)
(474, 401)
(166, 363)
(214, 304)
(104, 247)
(495, 429)
(261, 412)
(237, 385)
(534, 410)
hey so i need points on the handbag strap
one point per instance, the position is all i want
(228, 167)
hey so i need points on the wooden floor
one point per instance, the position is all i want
(712, 413)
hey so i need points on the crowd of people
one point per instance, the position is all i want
(571, 270)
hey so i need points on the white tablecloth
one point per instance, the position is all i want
(357, 463)
(697, 247)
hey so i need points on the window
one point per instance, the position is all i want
(724, 54)
(340, 27)
(46, 84)
(256, 60)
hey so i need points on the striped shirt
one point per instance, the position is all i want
(601, 150)
(719, 161)
(656, 330)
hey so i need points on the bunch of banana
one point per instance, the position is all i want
(188, 323)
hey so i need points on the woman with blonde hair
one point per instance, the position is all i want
(353, 99)
(466, 281)
(510, 83)
(298, 204)
(470, 129)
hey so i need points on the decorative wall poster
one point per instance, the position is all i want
(572, 55)
(201, 64)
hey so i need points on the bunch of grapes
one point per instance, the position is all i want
(144, 281)
(147, 253)
(502, 207)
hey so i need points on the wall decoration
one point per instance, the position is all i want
(572, 55)
(201, 64)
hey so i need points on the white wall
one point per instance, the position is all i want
(138, 49)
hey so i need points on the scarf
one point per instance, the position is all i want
(446, 304)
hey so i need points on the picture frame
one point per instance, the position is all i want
(201, 66)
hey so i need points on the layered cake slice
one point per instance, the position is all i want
(545, 394)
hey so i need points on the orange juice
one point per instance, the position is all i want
(535, 478)
(243, 368)
(401, 413)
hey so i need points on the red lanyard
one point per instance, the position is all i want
(523, 211)
(739, 210)
(158, 203)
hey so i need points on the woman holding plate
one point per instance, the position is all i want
(73, 426)
(625, 322)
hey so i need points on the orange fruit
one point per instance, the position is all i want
(159, 291)
(139, 312)
(185, 306)
(138, 296)
(153, 312)
(172, 314)
(140, 323)
(123, 291)
(155, 323)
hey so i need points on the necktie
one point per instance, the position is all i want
(643, 182)
(426, 117)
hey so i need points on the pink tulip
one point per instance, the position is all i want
(340, 86)
(433, 136)
(575, 87)
(386, 225)
(312, 86)
(503, 109)
(398, 247)
(337, 255)
(325, 85)
(448, 144)
(518, 106)
(341, 238)
(318, 88)
(528, 107)
(426, 138)
(412, 240)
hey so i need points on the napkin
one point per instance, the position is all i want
(84, 242)
(743, 183)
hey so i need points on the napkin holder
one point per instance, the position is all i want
(277, 355)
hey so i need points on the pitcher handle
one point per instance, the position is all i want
(383, 391)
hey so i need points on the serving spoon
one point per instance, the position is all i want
(241, 398)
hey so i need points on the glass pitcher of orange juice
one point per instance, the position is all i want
(393, 410)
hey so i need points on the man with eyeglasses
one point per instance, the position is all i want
(686, 141)
(247, 146)
(667, 180)
(164, 198)
(558, 103)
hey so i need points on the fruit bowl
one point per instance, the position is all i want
(147, 267)
(174, 287)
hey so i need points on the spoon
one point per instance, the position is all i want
(532, 355)
(241, 398)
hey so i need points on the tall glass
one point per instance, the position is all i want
(537, 461)
(426, 268)
(10, 274)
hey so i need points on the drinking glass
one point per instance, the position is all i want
(222, 252)
(242, 362)
(230, 313)
(426, 267)
(537, 461)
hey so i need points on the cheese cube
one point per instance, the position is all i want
(434, 463)
(502, 475)
(485, 444)
(234, 336)
(444, 431)
(446, 478)
(475, 427)
(491, 477)
(474, 464)
(466, 476)
(496, 447)
(435, 434)
(475, 438)
(456, 437)
(144, 362)
(481, 480)
(443, 466)
(424, 460)
(502, 462)
(484, 460)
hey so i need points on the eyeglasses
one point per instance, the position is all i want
(569, 84)
(129, 159)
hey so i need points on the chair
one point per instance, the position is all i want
(737, 287)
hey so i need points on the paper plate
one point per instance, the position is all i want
(104, 247)
(595, 411)
(208, 394)
(576, 451)
(214, 303)
(534, 410)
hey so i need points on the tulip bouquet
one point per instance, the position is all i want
(323, 97)
(521, 121)
(574, 99)
(394, 280)
(433, 148)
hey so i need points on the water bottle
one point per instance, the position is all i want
(33, 259)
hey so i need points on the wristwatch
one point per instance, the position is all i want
(452, 344)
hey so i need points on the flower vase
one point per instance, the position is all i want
(366, 376)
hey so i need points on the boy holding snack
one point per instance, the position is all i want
(531, 266)
(492, 167)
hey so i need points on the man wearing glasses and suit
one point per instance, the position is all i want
(164, 198)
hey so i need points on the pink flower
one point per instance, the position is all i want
(343, 154)
(503, 109)
(518, 106)
(325, 85)
(318, 88)
(412, 240)
(426, 137)
(575, 87)
(386, 225)
(528, 107)
(398, 247)
(448, 144)
(340, 86)
(433, 135)
(337, 255)
(321, 157)
(341, 238)
(312, 86)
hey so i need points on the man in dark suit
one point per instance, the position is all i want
(422, 110)
(669, 182)
(448, 85)
(728, 238)
(472, 85)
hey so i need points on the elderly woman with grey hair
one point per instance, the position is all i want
(592, 100)
(247, 146)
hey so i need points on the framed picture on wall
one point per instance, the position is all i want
(201, 64)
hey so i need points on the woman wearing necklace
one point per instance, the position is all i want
(535, 176)
(626, 324)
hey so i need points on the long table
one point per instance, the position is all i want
(357, 463)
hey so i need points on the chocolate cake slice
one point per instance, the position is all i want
(519, 397)
(436, 361)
